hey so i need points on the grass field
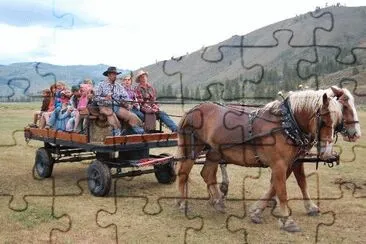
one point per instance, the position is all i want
(62, 210)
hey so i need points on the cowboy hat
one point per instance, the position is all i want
(139, 73)
(111, 70)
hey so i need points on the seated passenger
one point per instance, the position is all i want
(60, 117)
(51, 107)
(110, 97)
(79, 102)
(135, 107)
(46, 94)
(60, 86)
(146, 96)
(73, 122)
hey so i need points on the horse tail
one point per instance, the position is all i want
(187, 145)
(184, 136)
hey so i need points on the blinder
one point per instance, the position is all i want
(340, 128)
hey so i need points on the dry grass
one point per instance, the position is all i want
(136, 217)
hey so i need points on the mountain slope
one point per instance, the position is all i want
(224, 61)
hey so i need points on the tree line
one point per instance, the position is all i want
(285, 78)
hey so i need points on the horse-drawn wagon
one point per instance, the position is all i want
(113, 156)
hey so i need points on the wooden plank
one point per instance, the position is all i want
(75, 137)
(49, 133)
(109, 140)
(139, 138)
(63, 135)
(38, 132)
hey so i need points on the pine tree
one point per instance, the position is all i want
(169, 91)
(197, 94)
(227, 91)
(163, 91)
(186, 92)
(236, 90)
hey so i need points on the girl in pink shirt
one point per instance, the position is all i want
(81, 109)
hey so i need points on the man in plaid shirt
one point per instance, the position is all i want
(112, 100)
(146, 96)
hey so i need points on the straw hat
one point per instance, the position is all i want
(139, 73)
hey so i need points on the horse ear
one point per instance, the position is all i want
(338, 92)
(325, 100)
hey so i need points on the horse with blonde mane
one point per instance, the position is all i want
(272, 136)
(349, 129)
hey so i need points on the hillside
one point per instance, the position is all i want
(239, 59)
(22, 75)
(258, 64)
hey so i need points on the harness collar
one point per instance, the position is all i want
(291, 128)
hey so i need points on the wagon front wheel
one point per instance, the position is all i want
(44, 162)
(99, 178)
(165, 173)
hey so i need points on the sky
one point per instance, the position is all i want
(131, 34)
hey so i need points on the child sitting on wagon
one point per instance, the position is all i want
(51, 106)
(62, 112)
(47, 99)
(78, 102)
(60, 117)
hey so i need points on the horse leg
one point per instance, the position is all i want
(224, 186)
(208, 173)
(256, 211)
(184, 168)
(279, 183)
(267, 200)
(311, 208)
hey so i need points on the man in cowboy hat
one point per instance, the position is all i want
(146, 96)
(111, 98)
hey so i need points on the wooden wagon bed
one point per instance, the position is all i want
(125, 142)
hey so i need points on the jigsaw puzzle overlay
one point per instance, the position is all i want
(61, 209)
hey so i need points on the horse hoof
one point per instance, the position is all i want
(289, 226)
(220, 209)
(313, 213)
(313, 210)
(183, 207)
(256, 217)
(218, 206)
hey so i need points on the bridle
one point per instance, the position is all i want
(340, 128)
(319, 125)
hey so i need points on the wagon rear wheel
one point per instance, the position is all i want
(43, 164)
(99, 178)
(165, 173)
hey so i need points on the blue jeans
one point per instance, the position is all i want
(138, 113)
(167, 120)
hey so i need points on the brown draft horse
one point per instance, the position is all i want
(261, 138)
(350, 130)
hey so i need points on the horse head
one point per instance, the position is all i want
(350, 126)
(328, 118)
(317, 115)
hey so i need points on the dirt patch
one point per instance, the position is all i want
(62, 210)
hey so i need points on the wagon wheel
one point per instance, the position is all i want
(165, 173)
(44, 162)
(99, 178)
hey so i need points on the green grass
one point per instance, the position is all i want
(21, 105)
(33, 216)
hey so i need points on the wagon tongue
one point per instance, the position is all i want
(151, 161)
